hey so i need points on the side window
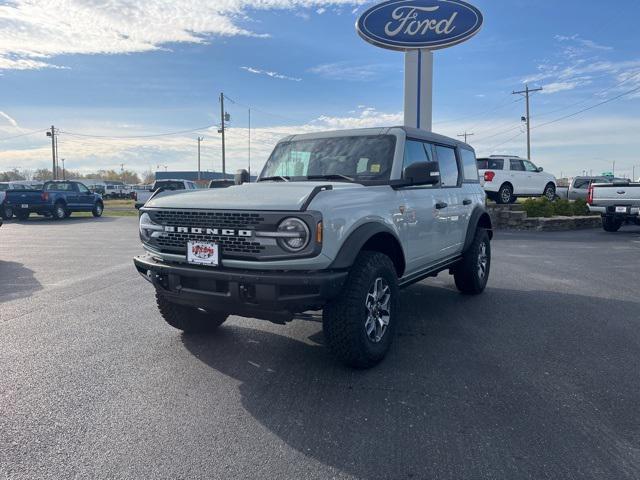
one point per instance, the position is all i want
(416, 151)
(529, 167)
(83, 189)
(448, 166)
(516, 165)
(469, 168)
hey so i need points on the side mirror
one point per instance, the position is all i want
(422, 173)
(242, 176)
(540, 169)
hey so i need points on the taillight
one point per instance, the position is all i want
(590, 195)
(488, 176)
(44, 196)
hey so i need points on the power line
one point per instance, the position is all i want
(116, 137)
(42, 130)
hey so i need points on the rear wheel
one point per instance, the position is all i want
(360, 324)
(472, 273)
(611, 224)
(505, 194)
(189, 319)
(59, 211)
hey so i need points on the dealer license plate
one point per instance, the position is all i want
(621, 209)
(203, 253)
(24, 205)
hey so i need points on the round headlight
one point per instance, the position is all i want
(146, 226)
(294, 234)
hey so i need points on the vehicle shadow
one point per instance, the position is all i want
(16, 281)
(509, 384)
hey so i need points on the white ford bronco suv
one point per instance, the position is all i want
(338, 221)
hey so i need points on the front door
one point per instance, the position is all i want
(519, 177)
(424, 218)
(85, 197)
(537, 180)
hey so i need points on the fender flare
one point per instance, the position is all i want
(352, 246)
(479, 217)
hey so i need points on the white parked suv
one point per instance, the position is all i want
(508, 177)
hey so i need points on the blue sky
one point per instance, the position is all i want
(141, 68)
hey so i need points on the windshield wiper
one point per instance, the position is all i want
(330, 176)
(280, 178)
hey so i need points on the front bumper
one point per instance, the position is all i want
(263, 294)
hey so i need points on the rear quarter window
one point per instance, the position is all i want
(469, 166)
(490, 164)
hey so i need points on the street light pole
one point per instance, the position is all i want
(199, 140)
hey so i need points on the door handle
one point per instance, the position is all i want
(441, 205)
(466, 202)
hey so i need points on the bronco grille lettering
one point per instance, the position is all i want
(226, 232)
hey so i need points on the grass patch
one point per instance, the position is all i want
(119, 203)
(106, 213)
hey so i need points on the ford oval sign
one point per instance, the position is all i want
(416, 24)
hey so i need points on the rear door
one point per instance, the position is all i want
(519, 178)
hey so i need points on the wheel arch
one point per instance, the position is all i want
(479, 219)
(374, 237)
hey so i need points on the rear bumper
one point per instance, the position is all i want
(260, 294)
(39, 209)
(611, 211)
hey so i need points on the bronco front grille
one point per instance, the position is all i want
(178, 242)
(192, 218)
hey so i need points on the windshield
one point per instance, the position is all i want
(169, 185)
(359, 158)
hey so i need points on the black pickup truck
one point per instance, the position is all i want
(57, 199)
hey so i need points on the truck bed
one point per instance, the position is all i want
(616, 194)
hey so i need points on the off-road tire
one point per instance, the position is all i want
(505, 194)
(188, 319)
(59, 211)
(467, 274)
(611, 224)
(98, 208)
(345, 317)
(22, 216)
(549, 192)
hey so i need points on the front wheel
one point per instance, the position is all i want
(360, 324)
(98, 208)
(7, 212)
(611, 224)
(188, 319)
(472, 273)
(550, 192)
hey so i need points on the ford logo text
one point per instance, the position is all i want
(419, 24)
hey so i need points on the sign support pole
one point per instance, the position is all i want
(418, 89)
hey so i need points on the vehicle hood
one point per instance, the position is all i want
(268, 196)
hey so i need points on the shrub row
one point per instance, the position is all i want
(542, 207)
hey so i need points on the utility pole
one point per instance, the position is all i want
(465, 135)
(526, 93)
(64, 176)
(614, 168)
(249, 144)
(222, 118)
(199, 141)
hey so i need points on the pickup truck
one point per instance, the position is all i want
(617, 202)
(6, 212)
(57, 199)
(337, 221)
(168, 186)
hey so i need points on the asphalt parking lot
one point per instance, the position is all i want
(537, 378)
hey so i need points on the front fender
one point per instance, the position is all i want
(357, 239)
